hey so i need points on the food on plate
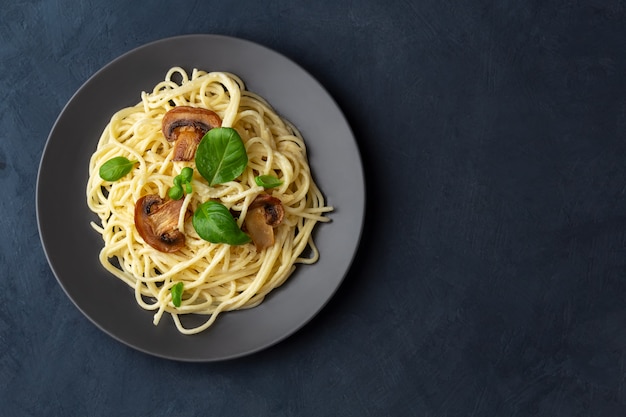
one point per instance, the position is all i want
(204, 197)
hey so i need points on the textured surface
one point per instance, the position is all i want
(490, 280)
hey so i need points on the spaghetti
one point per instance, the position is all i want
(216, 277)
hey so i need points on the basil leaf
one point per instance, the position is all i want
(186, 174)
(177, 294)
(176, 192)
(214, 223)
(116, 168)
(221, 155)
(267, 181)
(182, 184)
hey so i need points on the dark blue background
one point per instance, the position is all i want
(491, 278)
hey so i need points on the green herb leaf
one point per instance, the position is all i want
(214, 223)
(182, 184)
(177, 294)
(267, 181)
(186, 174)
(116, 168)
(221, 155)
(176, 192)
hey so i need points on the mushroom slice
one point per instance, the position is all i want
(264, 213)
(156, 221)
(185, 126)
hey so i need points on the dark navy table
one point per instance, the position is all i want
(491, 278)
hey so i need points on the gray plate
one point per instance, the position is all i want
(72, 246)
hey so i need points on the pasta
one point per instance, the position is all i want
(216, 277)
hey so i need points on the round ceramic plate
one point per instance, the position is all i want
(72, 246)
